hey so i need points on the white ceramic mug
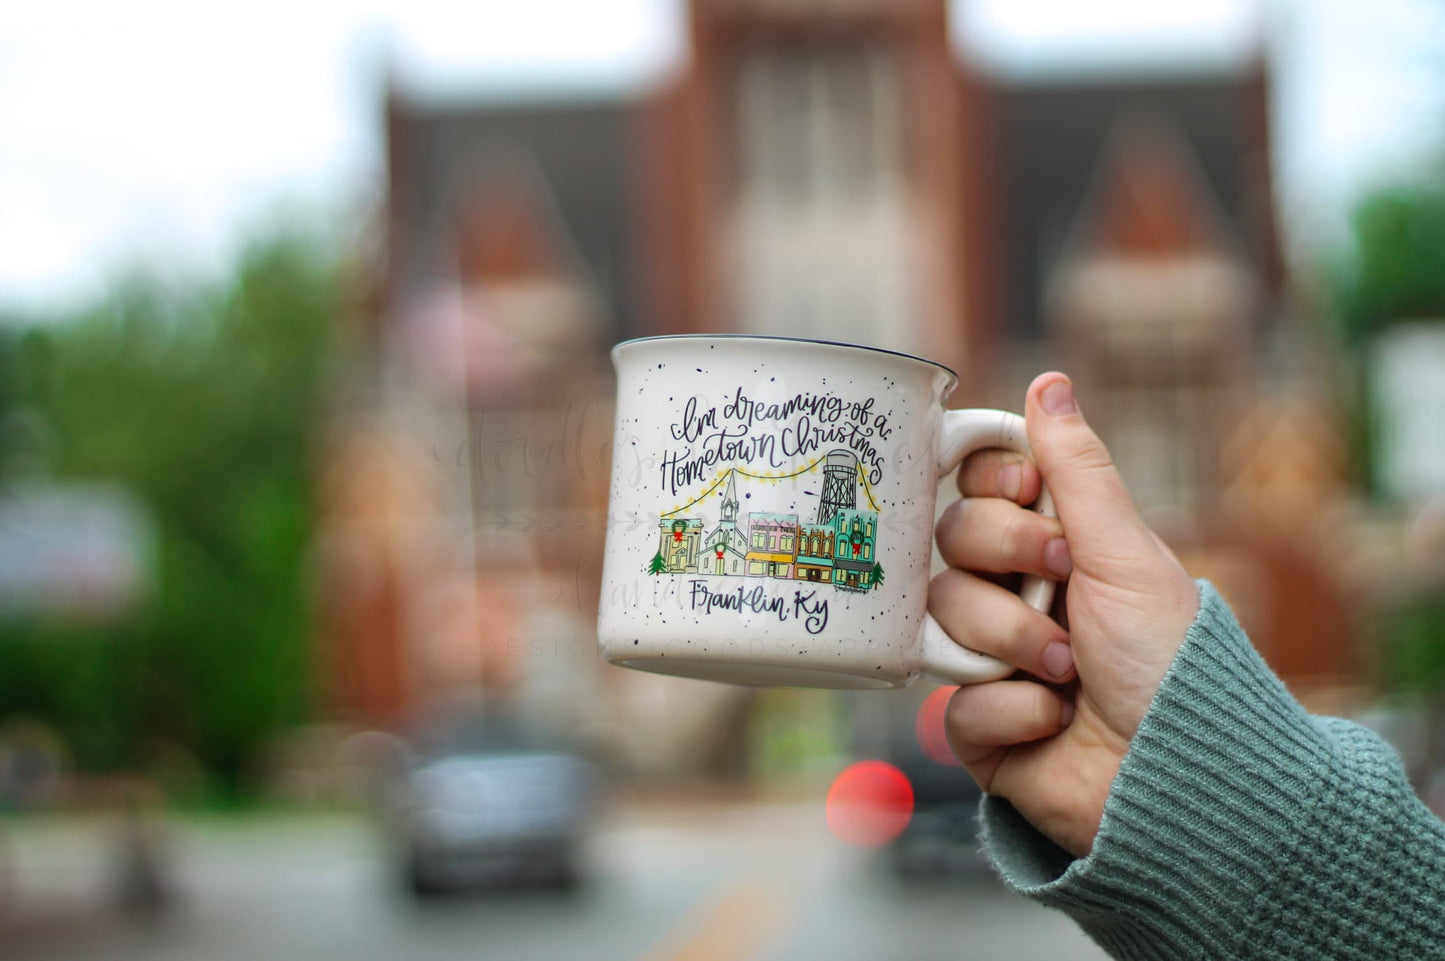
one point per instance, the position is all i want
(772, 511)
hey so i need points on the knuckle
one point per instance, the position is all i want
(1079, 449)
(1020, 624)
(943, 590)
(1090, 455)
(950, 522)
(980, 464)
(1017, 536)
(1042, 710)
(959, 717)
(959, 706)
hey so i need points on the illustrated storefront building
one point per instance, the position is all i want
(854, 565)
(678, 543)
(727, 547)
(772, 544)
(815, 553)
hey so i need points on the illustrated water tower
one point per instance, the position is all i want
(840, 484)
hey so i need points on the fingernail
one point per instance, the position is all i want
(1058, 660)
(1057, 559)
(1066, 713)
(1058, 399)
(1010, 479)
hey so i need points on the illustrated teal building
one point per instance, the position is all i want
(855, 535)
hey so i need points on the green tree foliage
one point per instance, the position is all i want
(1394, 272)
(1397, 273)
(10, 381)
(203, 400)
(1414, 640)
(657, 566)
(1398, 268)
(1416, 631)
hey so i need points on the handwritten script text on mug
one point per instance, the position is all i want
(748, 431)
(807, 607)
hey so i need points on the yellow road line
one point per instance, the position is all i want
(733, 925)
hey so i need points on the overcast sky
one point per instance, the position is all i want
(156, 129)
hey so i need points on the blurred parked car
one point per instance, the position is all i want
(487, 801)
(941, 839)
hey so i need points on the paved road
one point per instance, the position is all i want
(675, 882)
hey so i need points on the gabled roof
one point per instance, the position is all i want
(511, 228)
(573, 157)
(1148, 196)
(1053, 136)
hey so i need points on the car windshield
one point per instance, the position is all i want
(481, 734)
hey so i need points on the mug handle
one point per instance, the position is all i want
(963, 432)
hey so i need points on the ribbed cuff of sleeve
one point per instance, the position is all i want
(1201, 816)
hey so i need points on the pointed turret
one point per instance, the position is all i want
(730, 500)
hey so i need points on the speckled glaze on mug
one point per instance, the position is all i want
(771, 512)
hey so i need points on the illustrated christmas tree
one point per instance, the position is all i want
(658, 565)
(877, 573)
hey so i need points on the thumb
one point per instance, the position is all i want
(1098, 515)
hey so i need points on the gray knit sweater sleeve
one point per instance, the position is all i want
(1241, 827)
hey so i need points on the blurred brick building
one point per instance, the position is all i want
(832, 170)
(467, 486)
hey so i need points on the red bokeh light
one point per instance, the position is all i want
(929, 727)
(870, 803)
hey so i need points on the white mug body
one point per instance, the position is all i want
(771, 510)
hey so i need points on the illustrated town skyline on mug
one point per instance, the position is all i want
(838, 547)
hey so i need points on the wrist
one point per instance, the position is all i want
(1222, 736)
(1082, 776)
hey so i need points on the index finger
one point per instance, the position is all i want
(1000, 473)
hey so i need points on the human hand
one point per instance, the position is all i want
(1051, 742)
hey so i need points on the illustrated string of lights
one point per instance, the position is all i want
(867, 488)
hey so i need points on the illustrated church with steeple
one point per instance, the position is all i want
(727, 546)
